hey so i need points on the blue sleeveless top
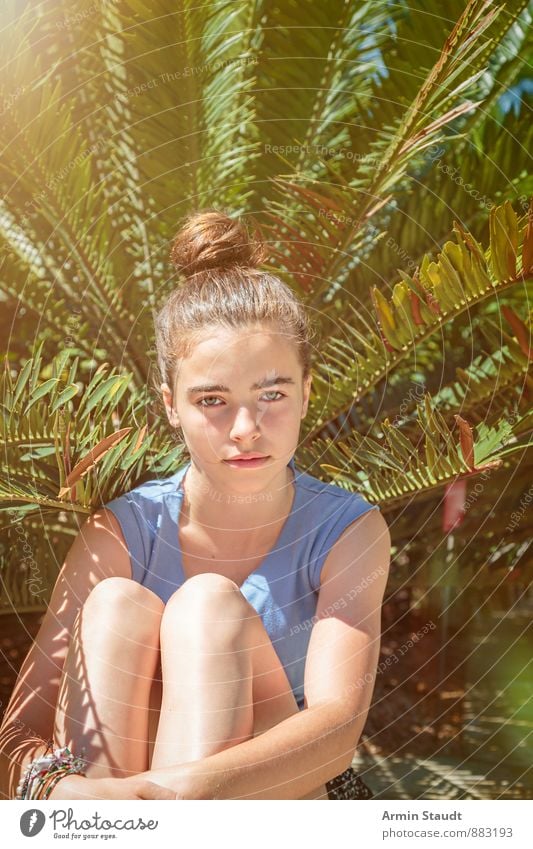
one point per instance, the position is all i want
(284, 587)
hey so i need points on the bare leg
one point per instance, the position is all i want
(107, 676)
(112, 675)
(222, 679)
(207, 702)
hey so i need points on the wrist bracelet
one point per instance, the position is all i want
(51, 781)
(42, 774)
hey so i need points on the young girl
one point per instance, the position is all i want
(214, 634)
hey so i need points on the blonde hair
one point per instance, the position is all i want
(224, 286)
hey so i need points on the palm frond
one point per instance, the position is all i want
(63, 169)
(489, 388)
(399, 120)
(438, 102)
(393, 471)
(462, 276)
(74, 451)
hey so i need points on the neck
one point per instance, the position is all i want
(216, 508)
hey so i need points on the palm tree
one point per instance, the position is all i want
(383, 151)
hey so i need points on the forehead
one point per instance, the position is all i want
(240, 354)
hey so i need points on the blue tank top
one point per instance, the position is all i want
(284, 587)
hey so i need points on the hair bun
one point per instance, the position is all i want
(211, 239)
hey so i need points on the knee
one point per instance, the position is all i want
(122, 600)
(208, 598)
(205, 591)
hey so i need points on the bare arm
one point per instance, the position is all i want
(304, 751)
(97, 552)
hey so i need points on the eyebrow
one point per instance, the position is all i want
(261, 384)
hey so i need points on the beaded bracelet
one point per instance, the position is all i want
(43, 773)
(24, 782)
(50, 782)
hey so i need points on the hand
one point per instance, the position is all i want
(135, 787)
(184, 781)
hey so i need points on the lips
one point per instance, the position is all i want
(249, 457)
(247, 463)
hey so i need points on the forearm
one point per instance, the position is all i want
(286, 762)
(18, 747)
(26, 726)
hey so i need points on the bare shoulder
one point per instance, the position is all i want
(369, 531)
(97, 552)
(364, 543)
(101, 546)
(371, 525)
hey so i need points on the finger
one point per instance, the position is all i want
(150, 790)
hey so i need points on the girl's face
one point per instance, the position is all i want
(240, 391)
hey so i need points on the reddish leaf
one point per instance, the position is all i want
(94, 456)
(467, 441)
(520, 331)
(527, 247)
(415, 308)
(140, 438)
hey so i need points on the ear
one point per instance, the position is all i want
(167, 400)
(306, 392)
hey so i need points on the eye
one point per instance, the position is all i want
(275, 392)
(200, 403)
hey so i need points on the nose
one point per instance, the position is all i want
(246, 423)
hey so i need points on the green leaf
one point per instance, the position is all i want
(64, 397)
(44, 389)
